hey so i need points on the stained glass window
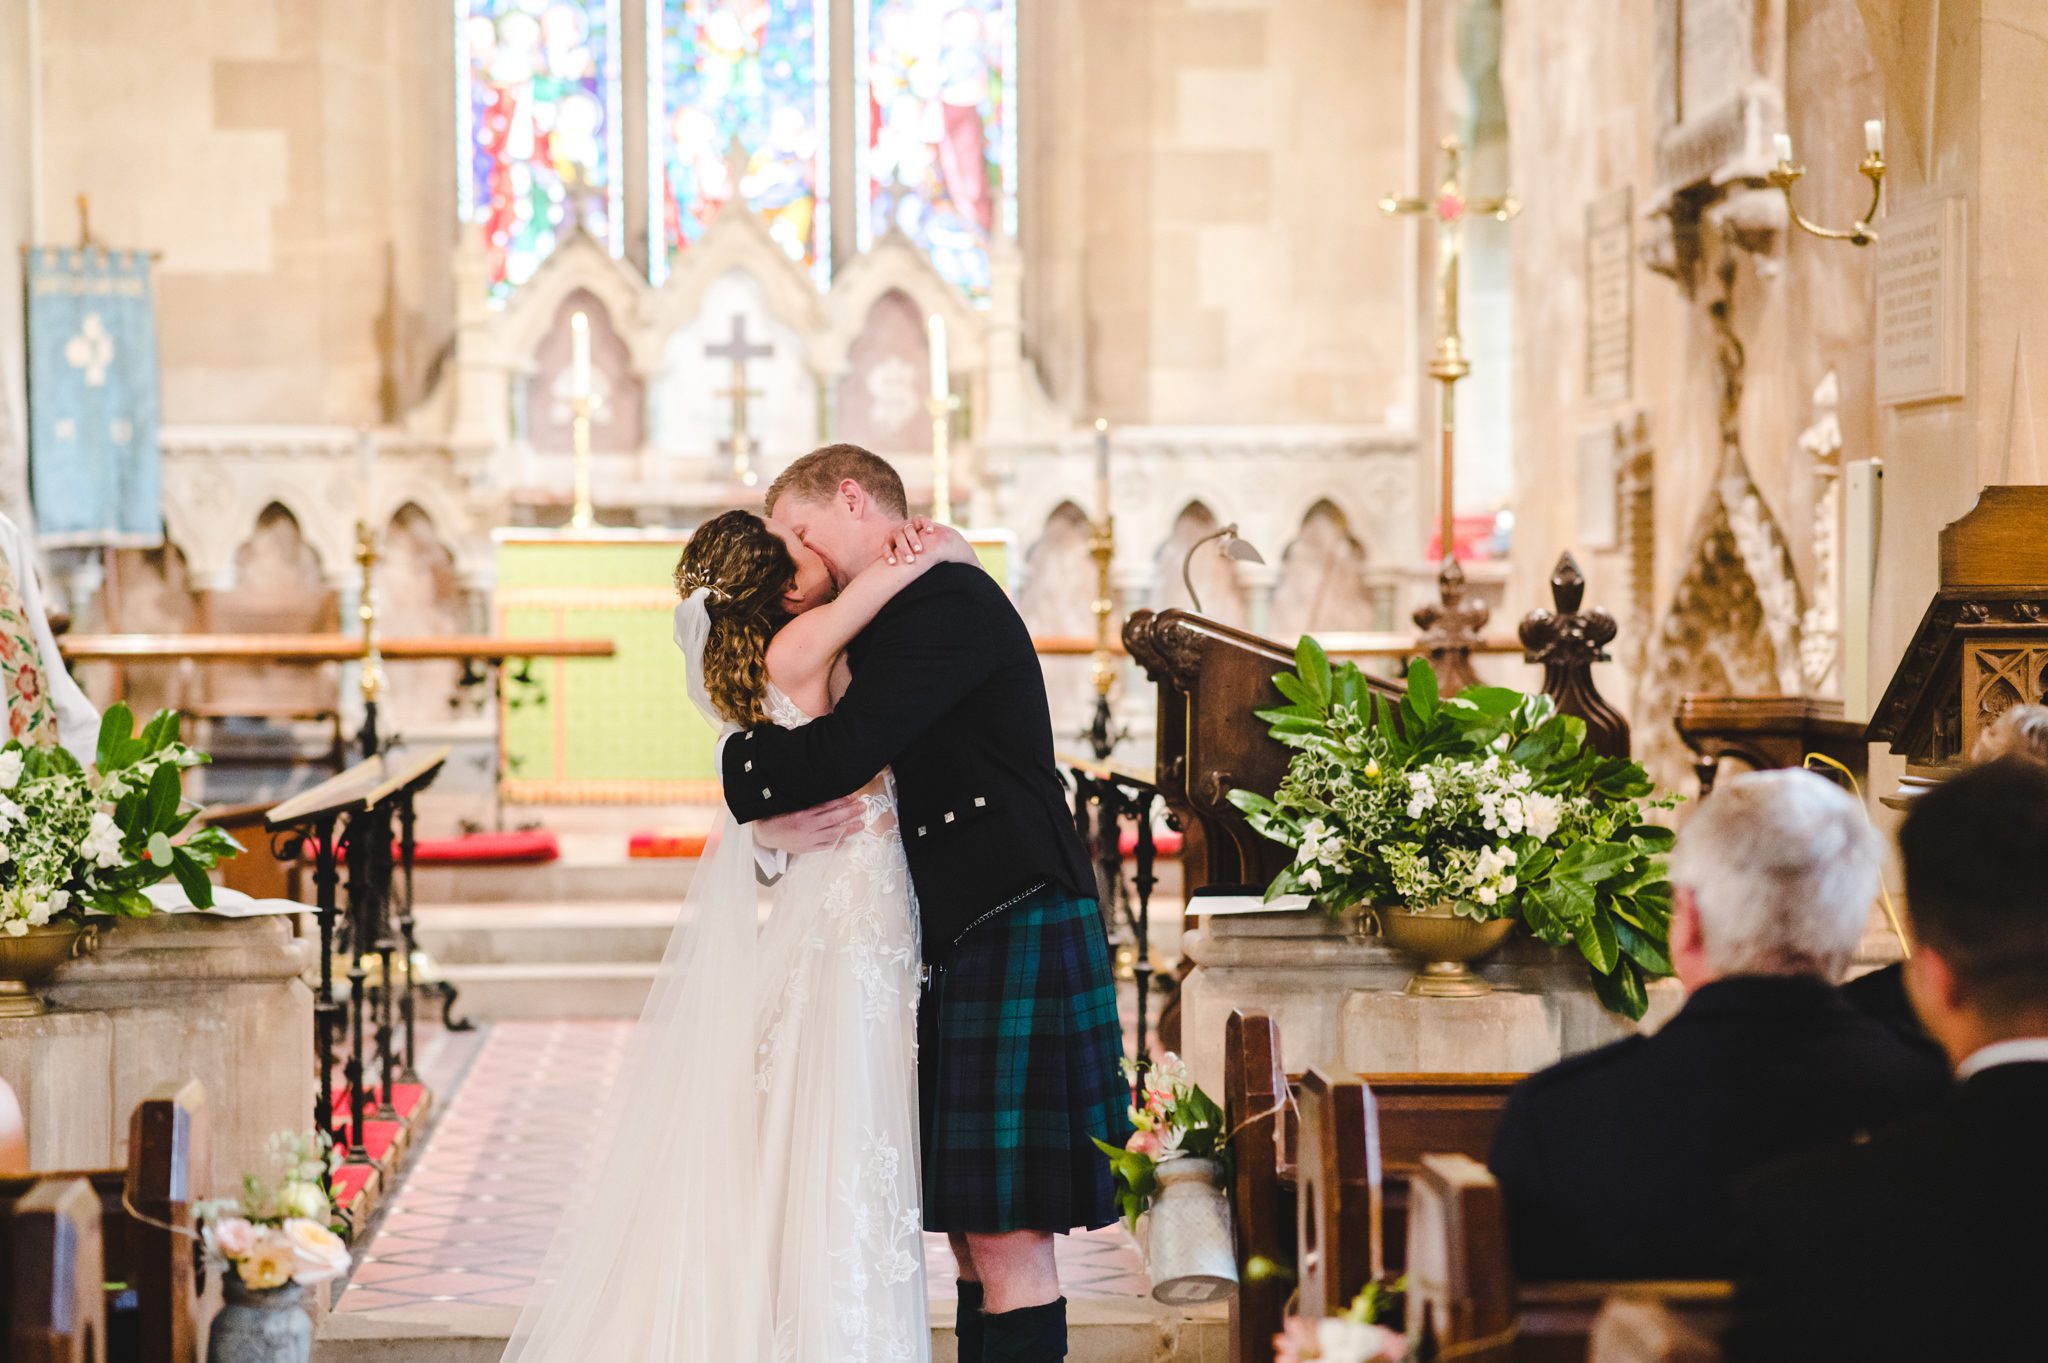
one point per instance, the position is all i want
(755, 72)
(539, 104)
(938, 142)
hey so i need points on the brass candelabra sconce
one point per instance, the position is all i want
(1787, 173)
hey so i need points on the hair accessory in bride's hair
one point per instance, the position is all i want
(716, 593)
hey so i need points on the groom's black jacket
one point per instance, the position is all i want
(947, 691)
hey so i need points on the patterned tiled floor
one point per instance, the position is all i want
(472, 1220)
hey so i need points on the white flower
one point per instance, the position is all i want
(14, 927)
(10, 813)
(318, 1254)
(1507, 884)
(10, 770)
(1487, 895)
(1542, 814)
(1340, 1339)
(1312, 877)
(1492, 861)
(6, 852)
(102, 844)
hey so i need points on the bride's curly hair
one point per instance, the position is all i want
(744, 570)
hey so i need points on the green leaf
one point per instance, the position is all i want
(166, 792)
(115, 727)
(1491, 700)
(193, 880)
(1571, 900)
(1298, 691)
(1543, 919)
(1594, 861)
(1654, 837)
(1645, 950)
(1348, 685)
(159, 851)
(1598, 944)
(1422, 689)
(1313, 666)
(1623, 991)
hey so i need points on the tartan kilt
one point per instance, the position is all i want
(1018, 1067)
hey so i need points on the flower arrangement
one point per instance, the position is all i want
(279, 1232)
(74, 841)
(1354, 1337)
(1174, 1120)
(1488, 802)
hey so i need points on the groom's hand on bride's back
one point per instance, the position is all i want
(810, 830)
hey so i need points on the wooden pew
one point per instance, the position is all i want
(1362, 1141)
(1262, 1178)
(52, 1307)
(1463, 1300)
(155, 1315)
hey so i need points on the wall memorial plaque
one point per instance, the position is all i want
(1920, 301)
(1610, 296)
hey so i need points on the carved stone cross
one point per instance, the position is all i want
(741, 443)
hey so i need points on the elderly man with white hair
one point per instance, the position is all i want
(1619, 1163)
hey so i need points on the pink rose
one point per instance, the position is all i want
(233, 1237)
(1144, 1143)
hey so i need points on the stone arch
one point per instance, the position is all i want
(884, 378)
(1323, 583)
(894, 265)
(1222, 596)
(420, 593)
(1056, 598)
(280, 587)
(618, 406)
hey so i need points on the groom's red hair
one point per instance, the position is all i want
(817, 476)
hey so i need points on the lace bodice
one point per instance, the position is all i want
(879, 796)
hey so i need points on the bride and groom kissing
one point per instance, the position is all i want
(922, 1035)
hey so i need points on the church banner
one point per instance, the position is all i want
(94, 463)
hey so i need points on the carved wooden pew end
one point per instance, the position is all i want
(51, 1274)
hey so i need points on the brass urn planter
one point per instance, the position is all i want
(28, 960)
(1446, 943)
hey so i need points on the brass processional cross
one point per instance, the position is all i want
(1452, 626)
(741, 443)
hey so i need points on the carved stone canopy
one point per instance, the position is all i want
(1982, 646)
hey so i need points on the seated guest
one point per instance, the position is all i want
(2021, 731)
(1928, 1241)
(1618, 1163)
(44, 706)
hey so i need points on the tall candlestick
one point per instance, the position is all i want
(581, 513)
(1873, 136)
(942, 374)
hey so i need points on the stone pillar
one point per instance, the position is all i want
(165, 999)
(1259, 581)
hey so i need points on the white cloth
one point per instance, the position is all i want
(753, 1191)
(78, 720)
(2023, 1050)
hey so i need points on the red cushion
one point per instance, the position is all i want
(650, 843)
(532, 845)
(348, 1183)
(1164, 841)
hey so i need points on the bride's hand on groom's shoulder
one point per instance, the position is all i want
(921, 537)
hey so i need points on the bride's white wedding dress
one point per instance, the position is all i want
(754, 1190)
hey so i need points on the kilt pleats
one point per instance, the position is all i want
(1018, 1051)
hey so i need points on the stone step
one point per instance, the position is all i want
(546, 934)
(1103, 1330)
(587, 989)
(572, 879)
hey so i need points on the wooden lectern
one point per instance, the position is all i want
(1982, 646)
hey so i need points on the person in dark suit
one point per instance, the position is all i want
(1928, 1240)
(2021, 731)
(1018, 1036)
(1619, 1163)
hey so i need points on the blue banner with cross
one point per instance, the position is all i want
(95, 468)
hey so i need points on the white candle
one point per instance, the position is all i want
(942, 375)
(1783, 142)
(1102, 468)
(1873, 136)
(366, 476)
(579, 355)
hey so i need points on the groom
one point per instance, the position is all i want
(1018, 1038)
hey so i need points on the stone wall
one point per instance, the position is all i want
(293, 161)
(16, 162)
(1581, 125)
(1200, 179)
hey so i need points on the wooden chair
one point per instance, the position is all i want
(1463, 1300)
(52, 1304)
(155, 1313)
(1361, 1142)
(1262, 1178)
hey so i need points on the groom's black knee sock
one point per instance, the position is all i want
(1034, 1334)
(967, 1322)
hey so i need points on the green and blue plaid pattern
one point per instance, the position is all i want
(1018, 1051)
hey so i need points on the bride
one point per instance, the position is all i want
(753, 1192)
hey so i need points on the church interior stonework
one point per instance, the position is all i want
(1518, 510)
